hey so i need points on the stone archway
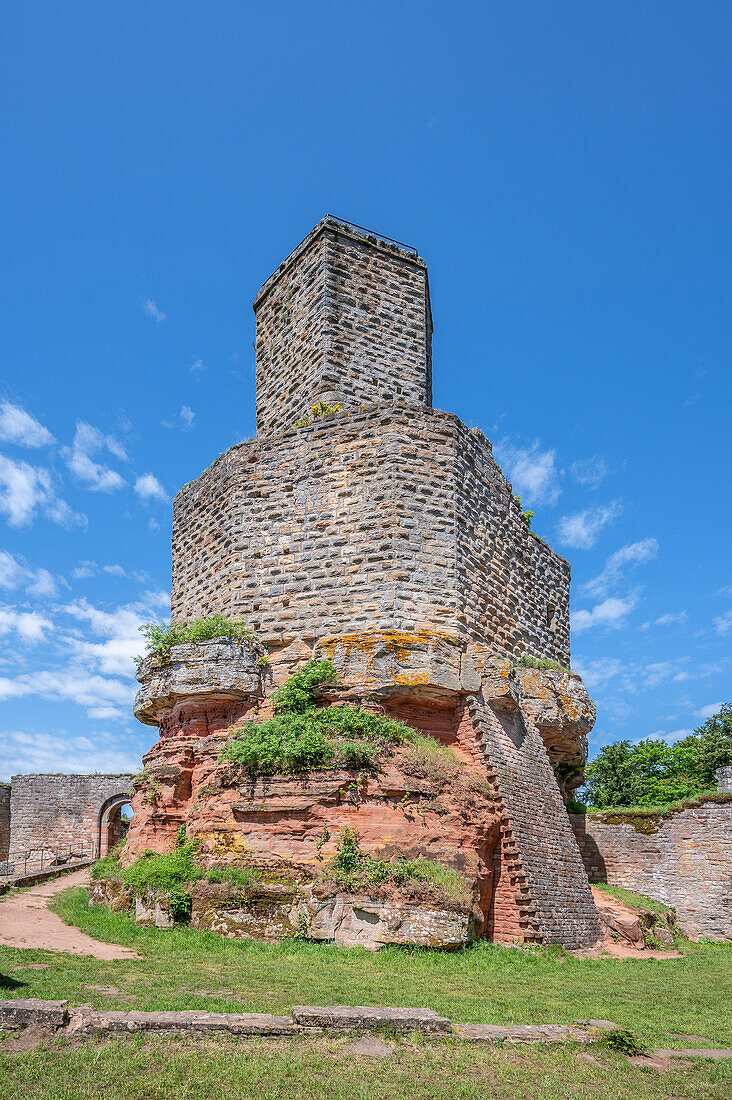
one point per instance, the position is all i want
(111, 825)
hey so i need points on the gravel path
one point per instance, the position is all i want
(26, 921)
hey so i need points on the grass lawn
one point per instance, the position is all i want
(182, 968)
(325, 1069)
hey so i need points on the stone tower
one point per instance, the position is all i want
(344, 320)
(386, 537)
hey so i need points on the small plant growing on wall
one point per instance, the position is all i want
(321, 408)
(161, 637)
(525, 512)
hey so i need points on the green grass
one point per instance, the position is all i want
(148, 1068)
(654, 811)
(637, 902)
(483, 984)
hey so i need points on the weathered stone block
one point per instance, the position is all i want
(370, 1018)
(222, 668)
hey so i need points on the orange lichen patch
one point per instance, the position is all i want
(371, 658)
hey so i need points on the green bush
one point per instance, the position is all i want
(626, 1042)
(303, 737)
(296, 695)
(165, 873)
(321, 408)
(355, 872)
(529, 661)
(241, 878)
(160, 637)
(107, 867)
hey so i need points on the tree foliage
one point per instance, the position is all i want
(653, 773)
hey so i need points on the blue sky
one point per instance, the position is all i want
(564, 169)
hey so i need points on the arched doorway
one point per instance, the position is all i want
(114, 820)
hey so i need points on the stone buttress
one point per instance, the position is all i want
(383, 536)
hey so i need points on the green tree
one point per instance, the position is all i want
(608, 778)
(653, 773)
(715, 744)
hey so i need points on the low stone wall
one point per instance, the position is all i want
(4, 820)
(682, 858)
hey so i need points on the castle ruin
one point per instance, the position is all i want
(384, 536)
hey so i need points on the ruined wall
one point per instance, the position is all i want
(345, 320)
(389, 519)
(4, 820)
(60, 810)
(724, 779)
(682, 859)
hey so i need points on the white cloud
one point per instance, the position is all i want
(16, 573)
(25, 489)
(590, 471)
(84, 569)
(723, 623)
(612, 612)
(12, 572)
(18, 426)
(59, 512)
(151, 308)
(709, 710)
(108, 714)
(198, 367)
(148, 487)
(531, 471)
(90, 441)
(634, 553)
(43, 585)
(29, 625)
(120, 629)
(582, 529)
(23, 752)
(671, 618)
(184, 420)
(596, 674)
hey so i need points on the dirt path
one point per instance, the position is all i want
(26, 921)
(620, 948)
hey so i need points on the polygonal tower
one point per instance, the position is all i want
(385, 536)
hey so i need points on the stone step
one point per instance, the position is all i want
(88, 1021)
(523, 1033)
(366, 1018)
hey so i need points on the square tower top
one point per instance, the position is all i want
(345, 320)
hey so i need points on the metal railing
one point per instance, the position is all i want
(31, 861)
(370, 233)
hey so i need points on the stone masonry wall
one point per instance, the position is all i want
(60, 810)
(543, 876)
(393, 518)
(682, 860)
(4, 820)
(344, 320)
